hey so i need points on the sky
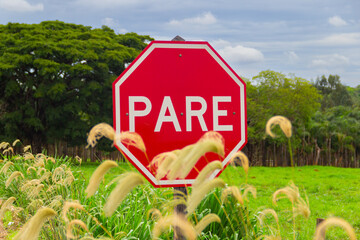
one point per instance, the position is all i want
(308, 38)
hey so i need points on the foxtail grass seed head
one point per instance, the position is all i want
(78, 159)
(291, 192)
(249, 189)
(6, 206)
(32, 228)
(50, 159)
(35, 204)
(124, 186)
(234, 191)
(98, 131)
(266, 212)
(206, 172)
(331, 222)
(205, 221)
(28, 156)
(243, 160)
(98, 175)
(162, 163)
(66, 208)
(176, 222)
(284, 124)
(8, 150)
(13, 176)
(27, 148)
(132, 139)
(200, 192)
(154, 213)
(16, 142)
(58, 174)
(70, 227)
(6, 167)
(4, 145)
(302, 208)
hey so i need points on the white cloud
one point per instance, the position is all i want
(241, 54)
(112, 23)
(337, 21)
(334, 60)
(203, 19)
(292, 56)
(342, 39)
(20, 6)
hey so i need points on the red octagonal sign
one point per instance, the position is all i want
(172, 94)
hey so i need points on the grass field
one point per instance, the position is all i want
(331, 192)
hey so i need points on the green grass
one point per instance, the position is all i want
(331, 192)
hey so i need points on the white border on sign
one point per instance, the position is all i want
(133, 68)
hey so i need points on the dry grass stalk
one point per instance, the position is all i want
(132, 139)
(70, 227)
(200, 192)
(28, 156)
(16, 142)
(13, 176)
(334, 221)
(66, 208)
(155, 214)
(205, 221)
(206, 172)
(243, 160)
(177, 222)
(97, 176)
(124, 186)
(284, 124)
(98, 131)
(6, 167)
(4, 145)
(32, 228)
(27, 148)
(234, 191)
(266, 212)
(6, 206)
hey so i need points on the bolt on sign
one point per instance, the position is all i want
(172, 94)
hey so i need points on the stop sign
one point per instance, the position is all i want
(172, 94)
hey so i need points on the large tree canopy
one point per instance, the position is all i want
(56, 78)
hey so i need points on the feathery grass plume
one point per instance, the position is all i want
(40, 156)
(154, 213)
(45, 177)
(29, 169)
(199, 193)
(27, 148)
(69, 179)
(15, 142)
(66, 208)
(243, 160)
(98, 175)
(70, 227)
(4, 145)
(174, 221)
(232, 190)
(8, 150)
(6, 206)
(334, 221)
(173, 164)
(291, 192)
(6, 167)
(188, 157)
(78, 159)
(284, 124)
(29, 184)
(132, 139)
(205, 221)
(13, 176)
(124, 186)
(302, 207)
(58, 174)
(28, 156)
(250, 189)
(56, 203)
(162, 163)
(98, 131)
(35, 204)
(206, 172)
(39, 162)
(265, 212)
(32, 228)
(40, 171)
(35, 191)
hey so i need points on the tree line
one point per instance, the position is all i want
(56, 83)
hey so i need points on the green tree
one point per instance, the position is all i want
(56, 78)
